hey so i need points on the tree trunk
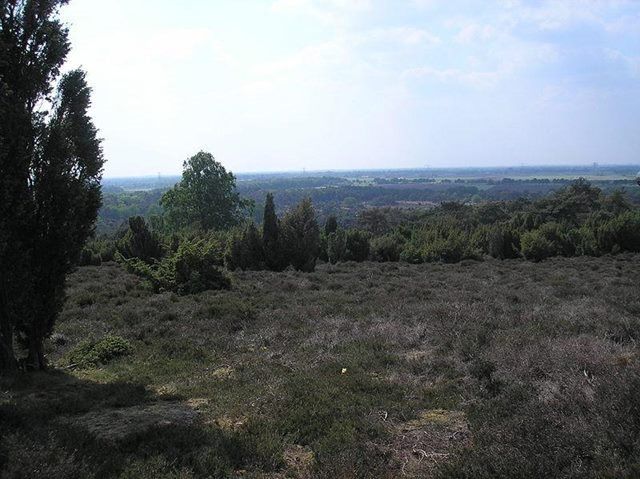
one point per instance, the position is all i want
(8, 363)
(35, 360)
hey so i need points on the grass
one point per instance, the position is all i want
(493, 369)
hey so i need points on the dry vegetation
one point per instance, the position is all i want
(493, 369)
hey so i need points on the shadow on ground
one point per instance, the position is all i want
(57, 425)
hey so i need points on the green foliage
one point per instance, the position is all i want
(621, 233)
(357, 246)
(536, 246)
(94, 353)
(191, 269)
(196, 270)
(140, 242)
(441, 241)
(336, 246)
(503, 242)
(271, 241)
(89, 258)
(51, 168)
(386, 248)
(104, 247)
(206, 197)
(244, 249)
(330, 225)
(301, 236)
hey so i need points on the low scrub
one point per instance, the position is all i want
(94, 353)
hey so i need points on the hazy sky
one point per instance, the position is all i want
(334, 84)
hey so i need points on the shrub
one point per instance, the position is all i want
(89, 258)
(411, 254)
(244, 249)
(301, 236)
(386, 248)
(357, 246)
(550, 239)
(503, 242)
(104, 247)
(93, 353)
(336, 246)
(192, 269)
(536, 247)
(140, 242)
(195, 270)
(621, 233)
(331, 225)
(452, 249)
(585, 241)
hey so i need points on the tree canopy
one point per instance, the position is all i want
(206, 197)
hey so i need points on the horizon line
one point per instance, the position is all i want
(419, 168)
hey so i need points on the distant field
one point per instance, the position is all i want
(476, 370)
(346, 193)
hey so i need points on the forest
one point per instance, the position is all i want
(451, 323)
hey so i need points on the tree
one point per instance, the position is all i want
(374, 220)
(301, 236)
(66, 184)
(244, 249)
(336, 246)
(50, 172)
(271, 236)
(206, 197)
(357, 246)
(140, 242)
(331, 225)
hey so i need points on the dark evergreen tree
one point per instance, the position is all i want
(49, 173)
(244, 249)
(336, 246)
(140, 242)
(271, 236)
(66, 173)
(331, 225)
(301, 236)
(357, 246)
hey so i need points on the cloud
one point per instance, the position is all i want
(330, 12)
(405, 35)
(631, 63)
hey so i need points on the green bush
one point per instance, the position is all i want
(89, 258)
(451, 249)
(621, 233)
(336, 246)
(536, 246)
(244, 249)
(503, 242)
(195, 269)
(301, 236)
(192, 269)
(550, 239)
(140, 242)
(357, 246)
(94, 353)
(386, 248)
(585, 241)
(411, 254)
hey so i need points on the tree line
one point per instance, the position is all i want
(191, 256)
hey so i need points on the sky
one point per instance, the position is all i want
(273, 85)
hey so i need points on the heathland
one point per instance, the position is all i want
(476, 369)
